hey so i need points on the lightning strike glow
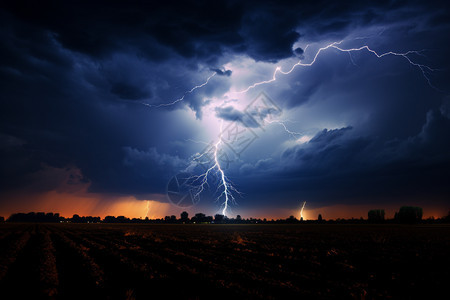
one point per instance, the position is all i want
(301, 210)
(148, 209)
(184, 95)
(198, 183)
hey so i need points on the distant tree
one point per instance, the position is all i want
(409, 214)
(19, 217)
(319, 218)
(238, 218)
(291, 219)
(109, 219)
(34, 217)
(122, 219)
(200, 218)
(2, 219)
(218, 218)
(76, 219)
(184, 216)
(376, 215)
(200, 215)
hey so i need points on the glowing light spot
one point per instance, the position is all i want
(301, 210)
(304, 139)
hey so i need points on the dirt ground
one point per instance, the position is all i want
(137, 261)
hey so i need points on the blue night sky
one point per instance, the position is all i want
(103, 103)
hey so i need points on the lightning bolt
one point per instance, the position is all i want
(423, 68)
(283, 124)
(148, 209)
(198, 183)
(301, 210)
(335, 45)
(182, 97)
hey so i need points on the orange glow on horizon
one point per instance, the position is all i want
(70, 195)
(89, 204)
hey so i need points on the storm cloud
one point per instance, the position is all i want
(119, 93)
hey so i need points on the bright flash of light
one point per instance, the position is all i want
(301, 210)
(304, 139)
(148, 209)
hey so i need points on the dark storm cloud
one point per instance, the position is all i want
(230, 113)
(128, 91)
(339, 166)
(190, 29)
(205, 31)
(151, 165)
(66, 67)
(55, 112)
(222, 72)
(299, 52)
(270, 33)
(250, 118)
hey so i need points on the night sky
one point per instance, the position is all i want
(102, 104)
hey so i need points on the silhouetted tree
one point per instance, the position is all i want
(409, 214)
(291, 219)
(184, 216)
(319, 218)
(2, 219)
(34, 217)
(238, 218)
(376, 215)
(76, 219)
(218, 218)
(109, 219)
(201, 218)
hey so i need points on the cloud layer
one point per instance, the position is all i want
(79, 82)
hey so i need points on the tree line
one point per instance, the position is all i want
(405, 215)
